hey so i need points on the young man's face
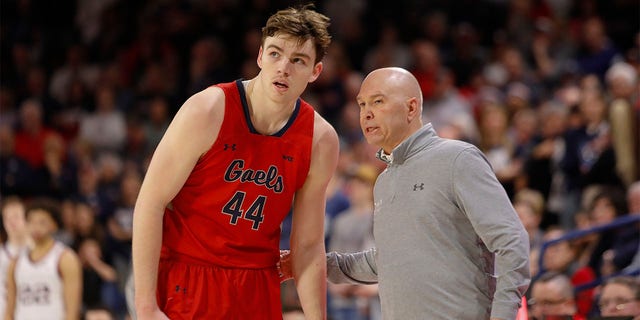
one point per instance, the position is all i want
(287, 66)
(41, 225)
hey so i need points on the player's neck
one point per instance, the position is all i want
(40, 248)
(267, 115)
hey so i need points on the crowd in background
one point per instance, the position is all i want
(547, 89)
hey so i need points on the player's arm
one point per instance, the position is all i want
(11, 291)
(71, 274)
(307, 234)
(190, 134)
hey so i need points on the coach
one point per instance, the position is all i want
(449, 243)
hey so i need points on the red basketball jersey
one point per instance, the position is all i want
(229, 211)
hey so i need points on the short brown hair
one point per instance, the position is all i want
(301, 22)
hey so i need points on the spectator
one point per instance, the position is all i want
(120, 225)
(207, 64)
(517, 98)
(561, 258)
(542, 166)
(100, 279)
(552, 295)
(105, 128)
(79, 102)
(337, 203)
(633, 201)
(75, 68)
(620, 297)
(589, 157)
(389, 51)
(87, 226)
(16, 175)
(597, 52)
(522, 132)
(615, 248)
(621, 80)
(529, 205)
(157, 123)
(67, 231)
(60, 169)
(89, 192)
(32, 134)
(109, 170)
(446, 106)
(517, 71)
(426, 65)
(495, 144)
(468, 55)
(8, 113)
(552, 50)
(36, 89)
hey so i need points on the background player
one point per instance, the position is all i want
(46, 280)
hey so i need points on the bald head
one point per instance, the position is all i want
(398, 80)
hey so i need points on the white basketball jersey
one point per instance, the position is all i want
(39, 292)
(7, 253)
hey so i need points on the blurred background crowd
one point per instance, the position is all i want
(547, 89)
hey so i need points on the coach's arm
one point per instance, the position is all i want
(354, 268)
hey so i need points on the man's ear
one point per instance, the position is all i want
(317, 69)
(259, 58)
(414, 109)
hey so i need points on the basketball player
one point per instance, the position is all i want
(234, 161)
(46, 280)
(17, 239)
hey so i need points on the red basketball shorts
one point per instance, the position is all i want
(189, 291)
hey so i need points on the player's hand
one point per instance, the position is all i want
(284, 265)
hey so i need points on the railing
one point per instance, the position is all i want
(621, 221)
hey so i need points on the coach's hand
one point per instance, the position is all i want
(284, 265)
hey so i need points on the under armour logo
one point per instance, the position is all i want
(230, 146)
(418, 186)
(288, 158)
